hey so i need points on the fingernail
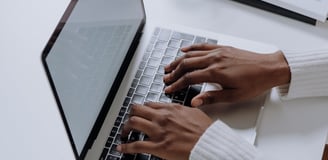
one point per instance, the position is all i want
(168, 89)
(198, 102)
(165, 77)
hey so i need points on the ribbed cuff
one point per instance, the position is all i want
(219, 142)
(309, 74)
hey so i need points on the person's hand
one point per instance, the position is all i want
(242, 74)
(173, 129)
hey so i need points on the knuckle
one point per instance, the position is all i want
(133, 120)
(133, 109)
(187, 55)
(167, 144)
(186, 78)
(183, 64)
(218, 56)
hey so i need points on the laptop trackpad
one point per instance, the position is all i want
(241, 116)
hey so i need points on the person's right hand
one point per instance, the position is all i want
(242, 74)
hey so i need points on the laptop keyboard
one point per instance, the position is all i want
(147, 85)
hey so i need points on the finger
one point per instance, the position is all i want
(142, 111)
(209, 97)
(140, 124)
(200, 46)
(138, 147)
(190, 78)
(156, 105)
(187, 65)
(170, 67)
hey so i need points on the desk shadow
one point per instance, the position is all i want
(240, 115)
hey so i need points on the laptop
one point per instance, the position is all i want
(102, 57)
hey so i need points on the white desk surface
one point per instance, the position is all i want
(31, 127)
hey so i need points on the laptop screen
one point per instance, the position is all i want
(86, 56)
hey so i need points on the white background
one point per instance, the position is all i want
(31, 127)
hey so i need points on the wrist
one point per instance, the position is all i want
(280, 69)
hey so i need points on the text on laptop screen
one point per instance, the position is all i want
(86, 57)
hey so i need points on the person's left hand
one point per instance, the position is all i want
(173, 129)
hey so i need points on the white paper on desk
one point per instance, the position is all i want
(316, 9)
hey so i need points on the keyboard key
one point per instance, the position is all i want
(134, 83)
(152, 40)
(156, 87)
(167, 60)
(142, 157)
(122, 112)
(118, 121)
(138, 74)
(142, 65)
(113, 151)
(149, 48)
(158, 78)
(177, 101)
(155, 158)
(104, 154)
(126, 101)
(130, 92)
(174, 43)
(152, 97)
(153, 62)
(111, 157)
(142, 90)
(126, 116)
(180, 95)
(193, 91)
(160, 45)
(113, 132)
(157, 54)
(145, 56)
(212, 41)
(185, 43)
(146, 138)
(134, 136)
(128, 157)
(164, 35)
(179, 36)
(180, 53)
(118, 139)
(146, 80)
(200, 40)
(150, 71)
(109, 142)
(137, 99)
(165, 99)
(171, 52)
(161, 69)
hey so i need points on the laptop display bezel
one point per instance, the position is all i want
(111, 95)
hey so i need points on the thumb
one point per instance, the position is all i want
(210, 97)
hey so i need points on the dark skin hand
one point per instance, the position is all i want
(242, 74)
(172, 129)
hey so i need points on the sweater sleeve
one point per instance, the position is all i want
(220, 142)
(309, 74)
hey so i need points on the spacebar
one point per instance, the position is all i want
(194, 90)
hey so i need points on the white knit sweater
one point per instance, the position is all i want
(309, 77)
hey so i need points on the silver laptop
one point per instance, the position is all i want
(97, 68)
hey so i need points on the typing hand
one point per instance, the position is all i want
(172, 129)
(242, 74)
